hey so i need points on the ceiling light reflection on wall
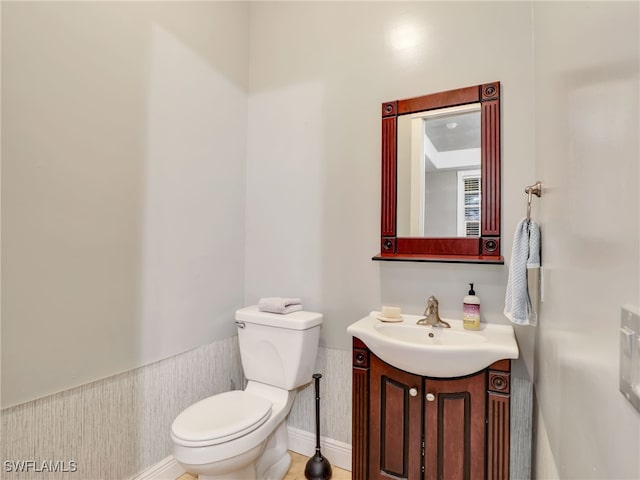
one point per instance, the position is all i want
(404, 36)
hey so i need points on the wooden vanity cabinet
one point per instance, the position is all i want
(406, 426)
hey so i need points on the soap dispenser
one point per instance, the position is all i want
(471, 310)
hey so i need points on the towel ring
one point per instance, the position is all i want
(535, 189)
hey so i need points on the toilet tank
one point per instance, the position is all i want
(278, 350)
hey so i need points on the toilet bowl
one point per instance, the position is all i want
(242, 435)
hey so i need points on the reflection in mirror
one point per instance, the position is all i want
(439, 162)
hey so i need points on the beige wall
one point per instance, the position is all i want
(587, 122)
(123, 165)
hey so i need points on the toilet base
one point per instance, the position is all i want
(274, 463)
(241, 467)
(279, 469)
(247, 473)
(268, 461)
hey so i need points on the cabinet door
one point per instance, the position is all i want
(455, 428)
(395, 422)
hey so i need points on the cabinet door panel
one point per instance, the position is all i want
(395, 423)
(455, 428)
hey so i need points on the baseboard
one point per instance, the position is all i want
(167, 469)
(303, 442)
(300, 441)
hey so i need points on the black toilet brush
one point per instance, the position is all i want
(318, 467)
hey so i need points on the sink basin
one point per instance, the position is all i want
(419, 334)
(434, 351)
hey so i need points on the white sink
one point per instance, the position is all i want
(435, 351)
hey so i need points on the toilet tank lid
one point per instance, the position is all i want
(299, 320)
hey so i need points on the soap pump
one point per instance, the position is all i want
(471, 310)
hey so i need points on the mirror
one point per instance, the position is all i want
(441, 177)
(438, 163)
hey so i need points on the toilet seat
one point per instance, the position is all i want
(220, 418)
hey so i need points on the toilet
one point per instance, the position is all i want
(242, 434)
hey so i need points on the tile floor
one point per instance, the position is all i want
(296, 471)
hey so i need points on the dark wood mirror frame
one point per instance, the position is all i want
(482, 249)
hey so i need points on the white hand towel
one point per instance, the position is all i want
(279, 305)
(525, 254)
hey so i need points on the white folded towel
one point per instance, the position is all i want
(525, 255)
(279, 305)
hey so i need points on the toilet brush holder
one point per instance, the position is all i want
(318, 467)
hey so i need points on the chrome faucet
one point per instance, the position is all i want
(431, 315)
